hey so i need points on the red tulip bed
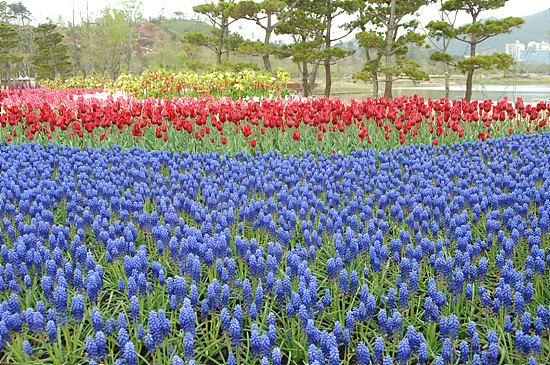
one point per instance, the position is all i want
(279, 232)
(289, 125)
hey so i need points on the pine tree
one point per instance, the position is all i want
(52, 59)
(477, 32)
(389, 37)
(8, 42)
(221, 16)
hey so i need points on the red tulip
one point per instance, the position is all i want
(519, 104)
(320, 136)
(542, 123)
(262, 130)
(253, 143)
(296, 135)
(212, 139)
(102, 137)
(435, 142)
(511, 131)
(80, 133)
(481, 136)
(158, 133)
(247, 130)
(165, 137)
(224, 140)
(369, 140)
(9, 138)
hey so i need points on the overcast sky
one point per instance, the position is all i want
(54, 9)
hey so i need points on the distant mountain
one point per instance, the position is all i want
(536, 29)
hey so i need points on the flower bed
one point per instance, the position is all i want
(166, 84)
(287, 125)
(415, 255)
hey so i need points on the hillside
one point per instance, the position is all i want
(156, 33)
(182, 26)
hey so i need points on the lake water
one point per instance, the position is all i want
(529, 93)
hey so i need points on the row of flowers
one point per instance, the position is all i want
(162, 84)
(415, 255)
(288, 125)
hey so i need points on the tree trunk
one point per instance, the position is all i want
(374, 75)
(388, 85)
(328, 78)
(224, 30)
(447, 78)
(312, 78)
(265, 57)
(388, 51)
(305, 86)
(470, 75)
(219, 52)
(469, 85)
(267, 63)
(328, 41)
(375, 86)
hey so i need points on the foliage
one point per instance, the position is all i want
(8, 42)
(499, 61)
(14, 13)
(111, 48)
(51, 60)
